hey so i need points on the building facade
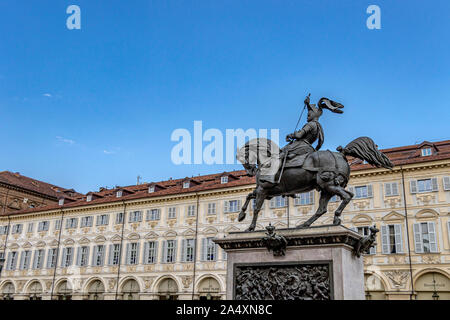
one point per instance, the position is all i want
(154, 241)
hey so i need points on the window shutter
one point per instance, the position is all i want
(130, 217)
(432, 237)
(87, 255)
(35, 258)
(312, 194)
(156, 252)
(175, 252)
(146, 247)
(107, 219)
(226, 206)
(446, 183)
(158, 213)
(216, 251)
(272, 202)
(98, 220)
(111, 254)
(63, 257)
(384, 240)
(183, 250)
(94, 256)
(417, 238)
(434, 184)
(204, 248)
(224, 255)
(238, 205)
(398, 238)
(369, 191)
(8, 261)
(49, 258)
(164, 252)
(387, 189)
(395, 189)
(78, 261)
(413, 186)
(128, 255)
(138, 251)
(22, 260)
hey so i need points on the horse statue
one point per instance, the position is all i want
(325, 171)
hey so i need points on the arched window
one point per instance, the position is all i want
(96, 290)
(64, 291)
(35, 291)
(8, 291)
(374, 287)
(130, 290)
(168, 290)
(432, 286)
(209, 289)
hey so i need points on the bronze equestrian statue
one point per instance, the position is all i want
(300, 167)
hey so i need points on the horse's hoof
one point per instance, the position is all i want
(250, 229)
(303, 226)
(241, 216)
(337, 221)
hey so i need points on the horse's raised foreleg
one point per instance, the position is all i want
(323, 203)
(260, 197)
(242, 214)
(346, 196)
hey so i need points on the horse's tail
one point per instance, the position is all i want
(365, 149)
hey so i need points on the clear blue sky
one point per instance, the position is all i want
(96, 107)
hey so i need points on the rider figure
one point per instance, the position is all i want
(301, 141)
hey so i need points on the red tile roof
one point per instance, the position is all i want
(36, 186)
(399, 156)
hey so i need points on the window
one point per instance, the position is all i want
(114, 254)
(278, 202)
(133, 253)
(51, 258)
(119, 194)
(30, 227)
(426, 152)
(231, 206)
(151, 189)
(43, 226)
(38, 260)
(102, 220)
(224, 179)
(211, 208)
(71, 223)
(305, 198)
(25, 260)
(135, 216)
(169, 251)
(61, 201)
(362, 191)
(86, 222)
(186, 184)
(153, 214)
(119, 218)
(151, 252)
(209, 250)
(334, 198)
(391, 189)
(364, 231)
(172, 213)
(425, 237)
(12, 260)
(89, 198)
(67, 257)
(99, 253)
(191, 210)
(83, 256)
(391, 238)
(3, 230)
(57, 224)
(17, 228)
(423, 185)
(446, 183)
(188, 248)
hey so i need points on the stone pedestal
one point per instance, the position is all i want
(318, 264)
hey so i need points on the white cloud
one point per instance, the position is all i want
(68, 141)
(48, 95)
(108, 152)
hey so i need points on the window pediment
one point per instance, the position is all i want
(27, 245)
(210, 231)
(100, 239)
(232, 229)
(426, 214)
(394, 217)
(116, 238)
(189, 233)
(151, 235)
(362, 219)
(133, 236)
(84, 241)
(170, 234)
(40, 244)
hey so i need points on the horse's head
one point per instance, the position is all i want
(256, 152)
